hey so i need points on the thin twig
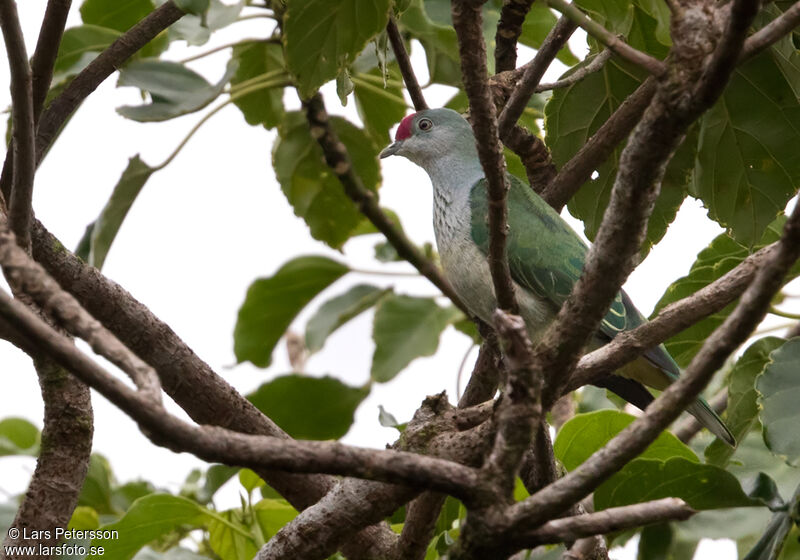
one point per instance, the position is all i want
(23, 130)
(404, 62)
(44, 57)
(338, 160)
(620, 48)
(594, 65)
(509, 28)
(555, 40)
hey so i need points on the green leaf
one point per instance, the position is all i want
(323, 37)
(149, 518)
(271, 304)
(115, 14)
(96, 491)
(614, 16)
(337, 311)
(720, 257)
(537, 25)
(229, 538)
(258, 58)
(18, 437)
(175, 89)
(197, 29)
(315, 193)
(379, 106)
(406, 328)
(574, 114)
(194, 7)
(272, 515)
(747, 169)
(438, 40)
(742, 409)
(122, 497)
(779, 389)
(80, 45)
(113, 214)
(84, 518)
(701, 486)
(250, 480)
(586, 433)
(309, 407)
(769, 545)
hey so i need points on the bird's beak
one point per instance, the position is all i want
(391, 149)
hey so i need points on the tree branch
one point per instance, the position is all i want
(594, 65)
(338, 160)
(620, 48)
(23, 131)
(509, 28)
(526, 86)
(772, 32)
(44, 57)
(410, 79)
(610, 520)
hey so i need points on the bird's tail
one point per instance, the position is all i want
(708, 418)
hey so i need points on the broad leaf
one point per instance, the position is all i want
(406, 328)
(701, 486)
(584, 434)
(537, 25)
(80, 45)
(175, 89)
(779, 387)
(96, 492)
(712, 263)
(747, 166)
(315, 193)
(337, 311)
(264, 107)
(439, 41)
(84, 518)
(203, 18)
(272, 515)
(18, 437)
(250, 480)
(115, 14)
(113, 214)
(320, 37)
(309, 407)
(574, 114)
(229, 538)
(742, 410)
(380, 107)
(271, 304)
(148, 519)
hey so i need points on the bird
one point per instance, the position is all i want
(545, 255)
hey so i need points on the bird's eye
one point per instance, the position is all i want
(425, 124)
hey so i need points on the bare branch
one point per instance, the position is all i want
(534, 71)
(607, 521)
(772, 32)
(534, 155)
(467, 21)
(620, 48)
(599, 147)
(419, 526)
(339, 161)
(410, 79)
(23, 132)
(44, 57)
(671, 320)
(594, 65)
(509, 28)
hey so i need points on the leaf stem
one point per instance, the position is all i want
(385, 273)
(786, 314)
(221, 48)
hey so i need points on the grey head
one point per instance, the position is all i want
(431, 136)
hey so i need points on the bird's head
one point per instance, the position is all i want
(430, 134)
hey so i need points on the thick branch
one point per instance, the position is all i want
(526, 86)
(23, 132)
(467, 21)
(772, 32)
(509, 28)
(610, 520)
(410, 79)
(620, 48)
(535, 156)
(339, 161)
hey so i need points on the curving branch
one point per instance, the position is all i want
(23, 132)
(407, 71)
(509, 28)
(611, 41)
(595, 65)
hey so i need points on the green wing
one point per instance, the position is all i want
(545, 254)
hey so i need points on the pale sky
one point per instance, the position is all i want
(213, 221)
